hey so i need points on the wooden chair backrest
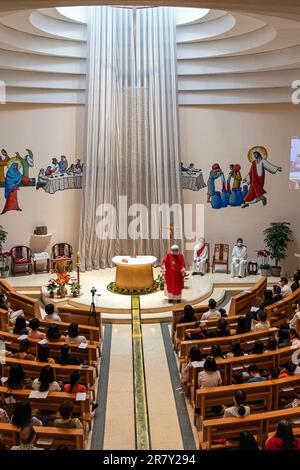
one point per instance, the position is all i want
(282, 311)
(62, 249)
(221, 252)
(21, 251)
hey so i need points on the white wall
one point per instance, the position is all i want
(49, 131)
(224, 135)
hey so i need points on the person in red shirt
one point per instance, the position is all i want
(74, 386)
(288, 371)
(173, 266)
(284, 438)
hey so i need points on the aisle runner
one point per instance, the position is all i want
(142, 430)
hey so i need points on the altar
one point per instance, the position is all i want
(134, 273)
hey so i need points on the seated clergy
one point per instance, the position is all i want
(239, 259)
(200, 257)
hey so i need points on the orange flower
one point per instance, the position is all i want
(63, 278)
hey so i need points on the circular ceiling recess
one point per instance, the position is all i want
(224, 57)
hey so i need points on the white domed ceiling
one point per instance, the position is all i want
(223, 57)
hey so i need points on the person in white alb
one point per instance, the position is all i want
(239, 259)
(200, 257)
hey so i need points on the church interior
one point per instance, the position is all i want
(149, 226)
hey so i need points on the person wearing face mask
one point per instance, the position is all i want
(173, 266)
(239, 259)
(200, 257)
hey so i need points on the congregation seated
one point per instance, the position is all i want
(274, 373)
(24, 351)
(284, 338)
(254, 374)
(46, 382)
(34, 331)
(267, 300)
(288, 370)
(73, 335)
(258, 347)
(243, 325)
(262, 322)
(194, 356)
(188, 315)
(277, 295)
(20, 326)
(74, 386)
(199, 332)
(22, 415)
(53, 334)
(283, 438)
(222, 329)
(66, 420)
(239, 408)
(216, 352)
(27, 439)
(210, 375)
(247, 441)
(51, 314)
(296, 282)
(285, 288)
(44, 353)
(235, 350)
(212, 312)
(16, 379)
(271, 345)
(13, 315)
(66, 357)
(294, 322)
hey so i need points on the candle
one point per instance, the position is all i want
(78, 257)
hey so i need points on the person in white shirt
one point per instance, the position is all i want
(27, 439)
(51, 314)
(262, 324)
(212, 312)
(239, 259)
(74, 336)
(239, 409)
(200, 257)
(285, 288)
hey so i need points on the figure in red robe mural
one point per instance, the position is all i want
(173, 266)
(13, 180)
(256, 176)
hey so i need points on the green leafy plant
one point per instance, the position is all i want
(160, 280)
(74, 286)
(276, 238)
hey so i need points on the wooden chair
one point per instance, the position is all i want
(21, 257)
(62, 251)
(221, 256)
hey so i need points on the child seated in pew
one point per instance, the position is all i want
(239, 409)
(66, 358)
(236, 349)
(283, 438)
(27, 439)
(44, 353)
(16, 379)
(20, 327)
(194, 356)
(288, 370)
(277, 295)
(247, 441)
(74, 336)
(51, 314)
(22, 415)
(216, 352)
(254, 374)
(53, 334)
(243, 325)
(46, 382)
(23, 352)
(222, 329)
(262, 322)
(34, 331)
(274, 373)
(210, 376)
(188, 315)
(66, 413)
(258, 347)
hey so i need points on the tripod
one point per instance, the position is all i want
(93, 313)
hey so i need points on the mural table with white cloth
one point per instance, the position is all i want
(192, 180)
(62, 182)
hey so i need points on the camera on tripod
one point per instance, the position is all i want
(93, 291)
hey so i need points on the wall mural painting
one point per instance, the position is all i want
(59, 175)
(236, 191)
(191, 177)
(14, 173)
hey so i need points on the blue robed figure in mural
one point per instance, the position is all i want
(217, 199)
(13, 181)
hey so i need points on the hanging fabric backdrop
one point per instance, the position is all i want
(132, 144)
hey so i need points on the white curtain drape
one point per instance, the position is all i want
(132, 143)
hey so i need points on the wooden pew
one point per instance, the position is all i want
(206, 398)
(32, 369)
(6, 288)
(282, 311)
(242, 302)
(73, 438)
(52, 403)
(81, 315)
(246, 340)
(90, 353)
(260, 424)
(29, 305)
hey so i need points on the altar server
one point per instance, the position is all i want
(173, 266)
(239, 259)
(200, 257)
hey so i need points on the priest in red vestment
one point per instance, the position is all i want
(173, 266)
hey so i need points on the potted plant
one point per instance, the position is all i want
(265, 267)
(160, 281)
(75, 287)
(276, 239)
(62, 281)
(51, 287)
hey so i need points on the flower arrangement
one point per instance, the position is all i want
(75, 287)
(160, 280)
(265, 256)
(52, 285)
